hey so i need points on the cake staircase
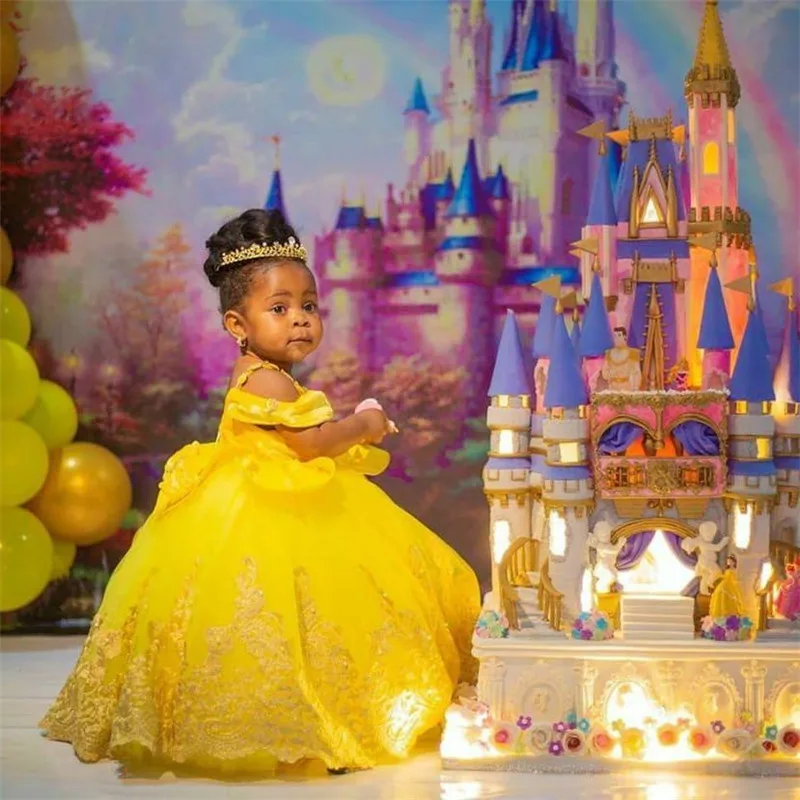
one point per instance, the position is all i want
(530, 616)
(659, 617)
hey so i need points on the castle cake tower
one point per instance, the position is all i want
(632, 616)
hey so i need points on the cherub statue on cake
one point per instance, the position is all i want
(707, 567)
(621, 370)
(605, 569)
(726, 599)
(788, 602)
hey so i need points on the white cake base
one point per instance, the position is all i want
(586, 765)
(641, 685)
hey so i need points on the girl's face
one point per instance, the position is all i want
(280, 317)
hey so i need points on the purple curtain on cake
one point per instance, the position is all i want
(674, 541)
(634, 548)
(618, 437)
(697, 438)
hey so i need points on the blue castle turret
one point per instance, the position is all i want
(715, 338)
(505, 477)
(596, 336)
(751, 469)
(534, 41)
(274, 200)
(566, 487)
(417, 101)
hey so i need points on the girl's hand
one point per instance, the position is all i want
(370, 402)
(377, 425)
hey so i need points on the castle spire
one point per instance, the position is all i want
(601, 205)
(543, 333)
(653, 361)
(535, 38)
(715, 328)
(470, 199)
(417, 101)
(509, 376)
(500, 189)
(511, 54)
(274, 201)
(575, 333)
(552, 47)
(712, 72)
(787, 374)
(596, 336)
(565, 385)
(752, 376)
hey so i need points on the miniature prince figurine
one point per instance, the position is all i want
(621, 369)
(707, 567)
(605, 569)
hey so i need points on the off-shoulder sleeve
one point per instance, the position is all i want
(309, 410)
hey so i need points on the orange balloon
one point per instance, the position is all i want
(86, 495)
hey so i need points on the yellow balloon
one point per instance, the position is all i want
(19, 380)
(6, 258)
(53, 416)
(23, 463)
(15, 322)
(63, 559)
(26, 558)
(86, 494)
(9, 58)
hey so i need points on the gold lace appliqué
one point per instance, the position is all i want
(257, 686)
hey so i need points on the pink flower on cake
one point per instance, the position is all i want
(601, 741)
(701, 739)
(523, 723)
(789, 739)
(504, 736)
(668, 735)
(717, 726)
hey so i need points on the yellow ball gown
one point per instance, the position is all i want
(726, 599)
(271, 610)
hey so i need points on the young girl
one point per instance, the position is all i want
(277, 606)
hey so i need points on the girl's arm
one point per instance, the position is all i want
(330, 439)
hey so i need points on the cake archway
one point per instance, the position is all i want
(645, 524)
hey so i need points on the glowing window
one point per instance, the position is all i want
(558, 534)
(502, 400)
(711, 159)
(501, 539)
(652, 213)
(742, 527)
(505, 444)
(569, 453)
(763, 447)
(740, 407)
(731, 127)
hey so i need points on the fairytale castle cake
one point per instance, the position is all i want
(643, 483)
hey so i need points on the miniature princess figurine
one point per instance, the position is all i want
(726, 599)
(788, 602)
(707, 567)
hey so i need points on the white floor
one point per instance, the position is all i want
(31, 767)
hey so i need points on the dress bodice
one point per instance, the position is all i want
(248, 440)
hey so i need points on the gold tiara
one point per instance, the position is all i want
(290, 249)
